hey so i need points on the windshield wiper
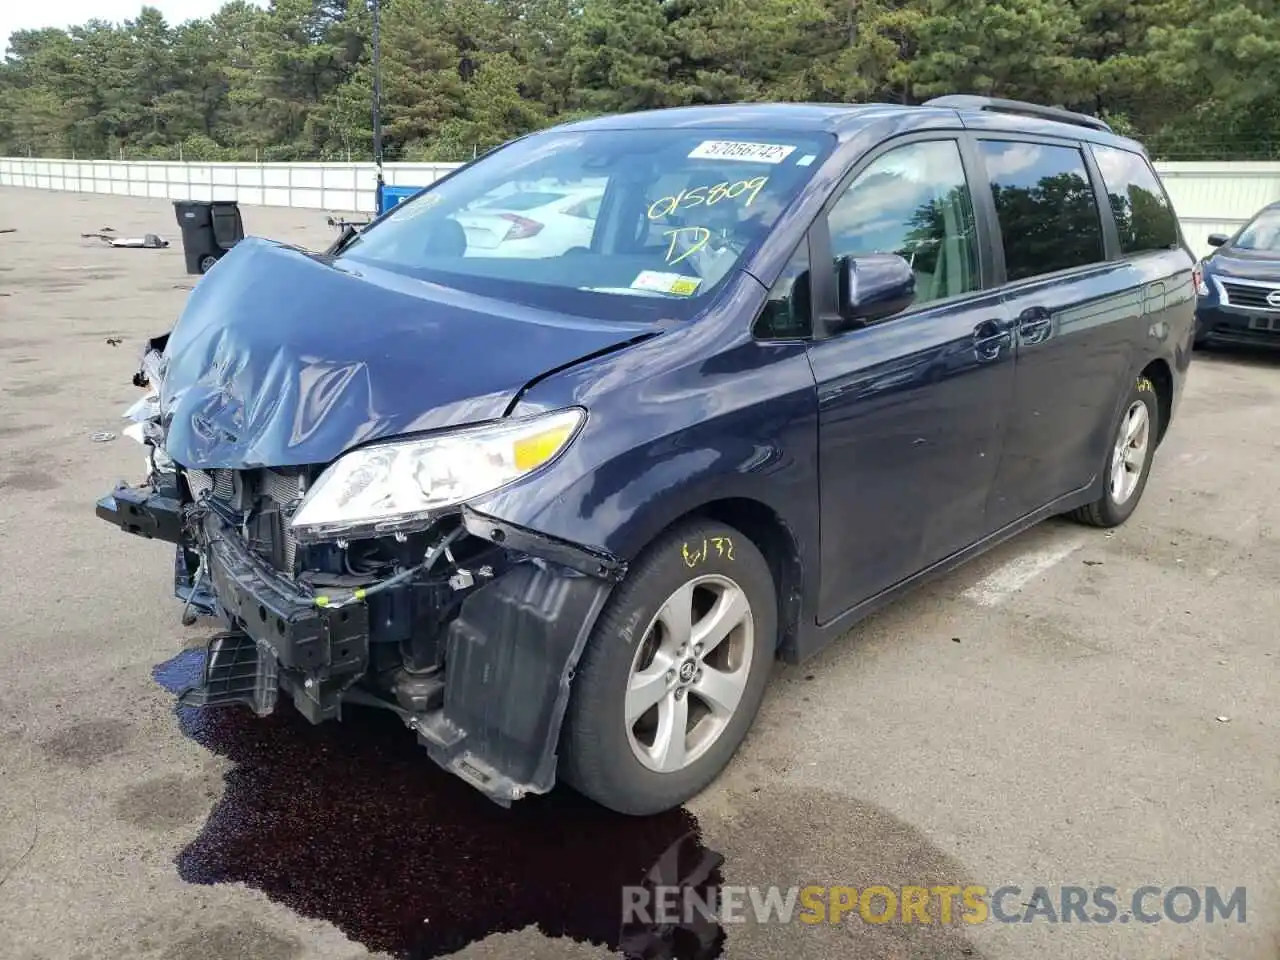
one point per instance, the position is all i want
(349, 233)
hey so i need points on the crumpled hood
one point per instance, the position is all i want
(1258, 266)
(282, 359)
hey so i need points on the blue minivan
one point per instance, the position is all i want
(555, 459)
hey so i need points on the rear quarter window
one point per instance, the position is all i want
(1049, 218)
(1144, 216)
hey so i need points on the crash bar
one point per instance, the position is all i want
(965, 101)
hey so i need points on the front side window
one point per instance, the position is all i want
(913, 201)
(1144, 216)
(609, 222)
(1261, 234)
(1046, 207)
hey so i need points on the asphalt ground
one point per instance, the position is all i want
(1075, 708)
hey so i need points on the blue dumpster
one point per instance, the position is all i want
(390, 196)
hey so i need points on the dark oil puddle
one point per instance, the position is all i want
(352, 823)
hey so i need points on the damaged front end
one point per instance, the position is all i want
(467, 627)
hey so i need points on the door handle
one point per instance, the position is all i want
(989, 337)
(1034, 325)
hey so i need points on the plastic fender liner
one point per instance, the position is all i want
(511, 654)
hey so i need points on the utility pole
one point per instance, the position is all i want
(377, 105)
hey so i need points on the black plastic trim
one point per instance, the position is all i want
(596, 563)
(510, 660)
(142, 512)
(318, 641)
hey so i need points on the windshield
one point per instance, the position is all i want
(1263, 234)
(647, 215)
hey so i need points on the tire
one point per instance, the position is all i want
(696, 566)
(207, 262)
(1110, 509)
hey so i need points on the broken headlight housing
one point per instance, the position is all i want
(404, 485)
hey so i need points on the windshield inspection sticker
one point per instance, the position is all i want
(807, 159)
(739, 150)
(666, 283)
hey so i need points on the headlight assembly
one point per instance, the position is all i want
(405, 484)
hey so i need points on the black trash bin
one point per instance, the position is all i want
(209, 230)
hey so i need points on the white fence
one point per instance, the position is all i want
(340, 187)
(1218, 197)
(1209, 197)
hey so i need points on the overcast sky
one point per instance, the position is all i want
(33, 14)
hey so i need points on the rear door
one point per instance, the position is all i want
(1077, 317)
(1149, 241)
(909, 407)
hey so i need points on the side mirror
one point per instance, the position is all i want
(874, 286)
(1218, 239)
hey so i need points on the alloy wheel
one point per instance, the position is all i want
(1129, 458)
(689, 673)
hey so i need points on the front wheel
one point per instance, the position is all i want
(674, 673)
(1128, 461)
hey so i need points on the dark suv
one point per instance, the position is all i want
(554, 459)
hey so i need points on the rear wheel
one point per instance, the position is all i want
(207, 262)
(674, 673)
(1128, 459)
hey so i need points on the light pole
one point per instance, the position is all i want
(377, 104)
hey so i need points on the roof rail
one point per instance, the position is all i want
(965, 101)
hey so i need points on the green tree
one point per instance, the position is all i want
(35, 117)
(865, 50)
(1219, 86)
(1020, 49)
(422, 84)
(625, 56)
(294, 80)
(303, 51)
(731, 50)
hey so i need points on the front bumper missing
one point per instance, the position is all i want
(320, 652)
(509, 654)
